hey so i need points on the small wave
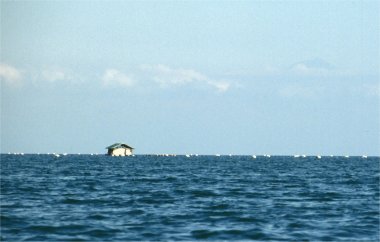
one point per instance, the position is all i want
(220, 206)
(203, 193)
(203, 233)
(43, 228)
(228, 234)
(97, 217)
(102, 233)
(12, 221)
(136, 212)
(75, 201)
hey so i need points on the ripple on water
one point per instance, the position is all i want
(237, 234)
(201, 193)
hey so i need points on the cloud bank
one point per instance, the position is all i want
(302, 80)
(146, 76)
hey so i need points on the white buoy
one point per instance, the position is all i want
(254, 156)
(304, 156)
(187, 155)
(364, 156)
(319, 157)
(347, 156)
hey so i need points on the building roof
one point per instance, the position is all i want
(119, 145)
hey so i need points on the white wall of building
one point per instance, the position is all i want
(121, 152)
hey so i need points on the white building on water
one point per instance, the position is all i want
(119, 149)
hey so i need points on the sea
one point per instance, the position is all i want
(195, 198)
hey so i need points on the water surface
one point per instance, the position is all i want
(83, 197)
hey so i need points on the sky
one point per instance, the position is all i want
(181, 77)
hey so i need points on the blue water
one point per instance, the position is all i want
(83, 197)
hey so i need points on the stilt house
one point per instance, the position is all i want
(119, 149)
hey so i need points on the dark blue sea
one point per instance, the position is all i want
(151, 198)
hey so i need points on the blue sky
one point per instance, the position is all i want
(206, 77)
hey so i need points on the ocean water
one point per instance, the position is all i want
(98, 198)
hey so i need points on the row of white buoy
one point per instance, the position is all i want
(295, 156)
(187, 155)
(320, 157)
(191, 155)
(167, 155)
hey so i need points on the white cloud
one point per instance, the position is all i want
(221, 86)
(113, 77)
(311, 67)
(10, 75)
(54, 75)
(166, 77)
